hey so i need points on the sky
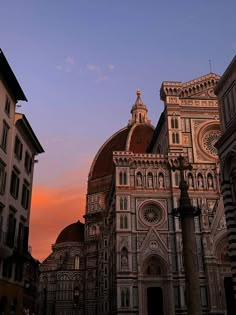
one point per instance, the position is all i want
(80, 63)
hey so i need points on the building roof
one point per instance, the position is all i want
(22, 122)
(231, 67)
(72, 233)
(9, 77)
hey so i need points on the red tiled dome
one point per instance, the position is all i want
(72, 233)
(135, 139)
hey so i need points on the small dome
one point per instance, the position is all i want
(72, 233)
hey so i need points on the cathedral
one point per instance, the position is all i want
(126, 258)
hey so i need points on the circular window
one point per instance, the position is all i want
(151, 213)
(208, 135)
(209, 140)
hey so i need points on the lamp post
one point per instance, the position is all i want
(187, 212)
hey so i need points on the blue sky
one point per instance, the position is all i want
(80, 63)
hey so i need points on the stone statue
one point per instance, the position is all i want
(161, 181)
(139, 180)
(190, 181)
(124, 261)
(150, 181)
(200, 182)
(210, 182)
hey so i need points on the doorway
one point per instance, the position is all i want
(229, 296)
(155, 301)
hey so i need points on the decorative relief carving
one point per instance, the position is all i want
(199, 103)
(124, 241)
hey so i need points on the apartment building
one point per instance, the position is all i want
(18, 148)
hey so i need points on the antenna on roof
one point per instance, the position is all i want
(210, 65)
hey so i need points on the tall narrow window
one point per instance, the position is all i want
(76, 296)
(77, 261)
(121, 222)
(5, 130)
(174, 123)
(11, 229)
(125, 222)
(28, 162)
(18, 148)
(173, 137)
(125, 178)
(125, 297)
(177, 137)
(20, 237)
(25, 195)
(125, 203)
(3, 176)
(121, 203)
(15, 180)
(7, 106)
(122, 298)
(120, 178)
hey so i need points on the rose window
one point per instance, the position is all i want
(209, 139)
(151, 214)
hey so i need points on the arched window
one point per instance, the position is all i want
(120, 178)
(177, 137)
(125, 178)
(125, 203)
(174, 123)
(125, 222)
(121, 222)
(173, 137)
(77, 261)
(121, 203)
(140, 117)
(76, 296)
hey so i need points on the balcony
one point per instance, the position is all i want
(5, 249)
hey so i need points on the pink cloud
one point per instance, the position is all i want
(70, 60)
(93, 67)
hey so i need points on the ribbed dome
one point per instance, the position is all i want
(134, 138)
(72, 233)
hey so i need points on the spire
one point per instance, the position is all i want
(139, 111)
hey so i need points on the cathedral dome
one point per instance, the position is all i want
(72, 233)
(135, 138)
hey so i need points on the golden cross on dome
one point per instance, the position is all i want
(138, 92)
